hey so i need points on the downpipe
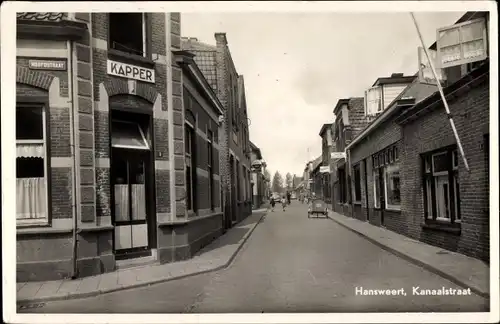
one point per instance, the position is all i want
(71, 94)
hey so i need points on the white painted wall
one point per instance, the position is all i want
(41, 48)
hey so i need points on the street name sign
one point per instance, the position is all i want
(338, 155)
(324, 169)
(53, 65)
(129, 71)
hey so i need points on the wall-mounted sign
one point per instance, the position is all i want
(53, 65)
(338, 155)
(131, 71)
(324, 169)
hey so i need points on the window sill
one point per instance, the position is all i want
(125, 57)
(442, 227)
(36, 230)
(393, 209)
(357, 203)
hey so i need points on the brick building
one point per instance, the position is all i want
(101, 166)
(407, 172)
(218, 67)
(349, 121)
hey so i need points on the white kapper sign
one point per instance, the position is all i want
(324, 169)
(338, 155)
(129, 71)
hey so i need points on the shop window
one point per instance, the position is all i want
(386, 179)
(357, 183)
(392, 186)
(190, 161)
(441, 186)
(31, 166)
(210, 160)
(127, 33)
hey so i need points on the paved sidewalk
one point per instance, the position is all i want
(217, 255)
(459, 269)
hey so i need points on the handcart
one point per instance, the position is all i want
(317, 206)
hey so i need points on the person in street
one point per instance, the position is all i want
(283, 202)
(273, 203)
(288, 197)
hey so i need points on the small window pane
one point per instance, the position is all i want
(30, 168)
(473, 49)
(127, 135)
(440, 162)
(449, 37)
(450, 54)
(472, 31)
(428, 189)
(29, 123)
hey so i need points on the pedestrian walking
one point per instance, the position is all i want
(273, 203)
(288, 197)
(283, 202)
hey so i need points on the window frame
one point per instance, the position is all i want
(45, 221)
(146, 49)
(386, 170)
(368, 111)
(190, 162)
(356, 170)
(429, 178)
(460, 43)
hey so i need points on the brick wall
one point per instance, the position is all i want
(432, 131)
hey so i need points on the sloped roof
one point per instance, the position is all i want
(205, 58)
(323, 128)
(41, 16)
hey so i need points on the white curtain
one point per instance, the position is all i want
(30, 151)
(138, 201)
(31, 198)
(121, 203)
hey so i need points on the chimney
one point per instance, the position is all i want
(220, 39)
(397, 75)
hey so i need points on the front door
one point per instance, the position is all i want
(129, 170)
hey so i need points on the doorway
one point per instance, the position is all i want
(381, 190)
(131, 191)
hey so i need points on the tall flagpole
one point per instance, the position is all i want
(440, 88)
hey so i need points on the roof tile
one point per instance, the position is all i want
(41, 16)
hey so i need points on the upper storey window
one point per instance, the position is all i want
(127, 33)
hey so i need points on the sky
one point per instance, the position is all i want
(297, 66)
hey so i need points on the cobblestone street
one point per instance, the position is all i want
(290, 264)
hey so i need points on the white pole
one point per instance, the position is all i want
(440, 88)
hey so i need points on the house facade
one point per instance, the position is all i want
(218, 67)
(258, 180)
(350, 119)
(408, 174)
(101, 158)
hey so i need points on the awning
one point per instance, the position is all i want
(30, 151)
(128, 135)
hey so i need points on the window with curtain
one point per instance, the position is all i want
(373, 101)
(441, 186)
(31, 166)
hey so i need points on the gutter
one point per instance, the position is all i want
(71, 94)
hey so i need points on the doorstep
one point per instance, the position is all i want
(217, 255)
(460, 269)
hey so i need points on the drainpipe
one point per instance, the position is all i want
(71, 95)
